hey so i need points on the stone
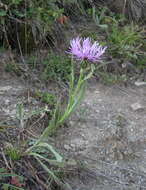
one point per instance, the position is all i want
(7, 101)
(138, 83)
(67, 147)
(72, 145)
(97, 92)
(137, 107)
(4, 89)
(71, 123)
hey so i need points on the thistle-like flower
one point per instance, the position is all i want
(84, 49)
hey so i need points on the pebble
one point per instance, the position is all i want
(137, 107)
(97, 92)
(4, 89)
(7, 101)
(138, 83)
(67, 147)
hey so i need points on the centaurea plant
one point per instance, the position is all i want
(85, 51)
(88, 54)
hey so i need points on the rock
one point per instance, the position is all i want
(67, 147)
(72, 145)
(10, 112)
(78, 144)
(7, 101)
(71, 123)
(4, 89)
(138, 83)
(97, 92)
(137, 107)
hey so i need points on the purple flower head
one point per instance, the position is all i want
(84, 49)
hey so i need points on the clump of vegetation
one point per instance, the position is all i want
(46, 97)
(56, 67)
(125, 42)
(30, 22)
(111, 78)
(25, 25)
(141, 62)
(12, 152)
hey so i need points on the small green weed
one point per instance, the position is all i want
(13, 152)
(103, 17)
(141, 62)
(110, 78)
(10, 67)
(46, 97)
(92, 34)
(57, 68)
(98, 15)
(32, 61)
(124, 42)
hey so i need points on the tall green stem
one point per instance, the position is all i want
(76, 93)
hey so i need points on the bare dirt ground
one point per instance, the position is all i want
(107, 134)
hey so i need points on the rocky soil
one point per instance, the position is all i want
(106, 135)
